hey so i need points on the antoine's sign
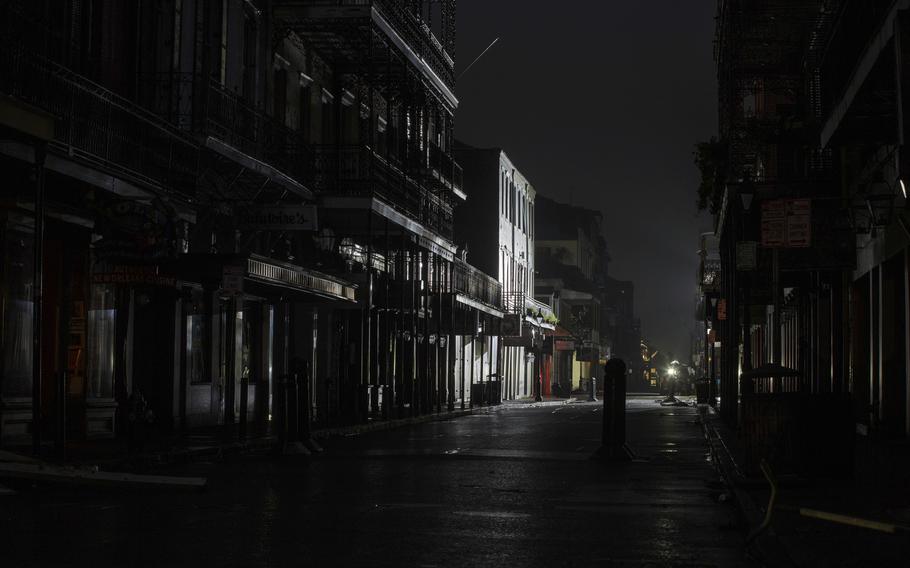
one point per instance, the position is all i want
(279, 218)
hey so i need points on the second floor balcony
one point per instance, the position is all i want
(203, 106)
(96, 126)
(359, 32)
(476, 284)
(529, 308)
(359, 171)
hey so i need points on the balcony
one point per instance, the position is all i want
(526, 306)
(445, 171)
(358, 171)
(202, 105)
(476, 284)
(99, 127)
(343, 30)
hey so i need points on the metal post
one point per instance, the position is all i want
(613, 445)
(244, 398)
(38, 297)
(775, 289)
(230, 367)
(463, 355)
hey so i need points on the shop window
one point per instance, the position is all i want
(17, 281)
(196, 329)
(251, 342)
(102, 337)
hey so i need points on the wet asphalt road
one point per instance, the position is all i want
(512, 486)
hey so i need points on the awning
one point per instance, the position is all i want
(426, 237)
(252, 164)
(559, 331)
(462, 299)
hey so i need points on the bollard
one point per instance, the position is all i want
(613, 445)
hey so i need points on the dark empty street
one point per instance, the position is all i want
(508, 486)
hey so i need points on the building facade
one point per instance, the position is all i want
(595, 311)
(217, 207)
(501, 211)
(810, 313)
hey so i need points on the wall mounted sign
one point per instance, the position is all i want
(137, 275)
(746, 255)
(279, 218)
(786, 223)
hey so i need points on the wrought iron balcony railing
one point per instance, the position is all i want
(357, 170)
(444, 169)
(476, 284)
(99, 126)
(201, 104)
(526, 305)
(402, 15)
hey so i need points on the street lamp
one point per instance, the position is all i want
(746, 195)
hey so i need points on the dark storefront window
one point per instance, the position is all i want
(251, 342)
(17, 284)
(196, 329)
(102, 338)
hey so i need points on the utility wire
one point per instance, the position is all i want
(477, 58)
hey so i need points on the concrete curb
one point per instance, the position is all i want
(357, 429)
(261, 445)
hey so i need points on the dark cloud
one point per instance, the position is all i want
(600, 103)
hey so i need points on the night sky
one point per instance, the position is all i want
(599, 104)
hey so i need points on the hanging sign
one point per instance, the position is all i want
(232, 279)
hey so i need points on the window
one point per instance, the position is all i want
(250, 353)
(502, 194)
(250, 56)
(102, 338)
(196, 330)
(223, 46)
(531, 224)
(178, 19)
(17, 275)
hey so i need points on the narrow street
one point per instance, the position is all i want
(508, 486)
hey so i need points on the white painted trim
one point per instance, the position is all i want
(462, 299)
(383, 209)
(414, 58)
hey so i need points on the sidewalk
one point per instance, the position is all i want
(793, 539)
(202, 445)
